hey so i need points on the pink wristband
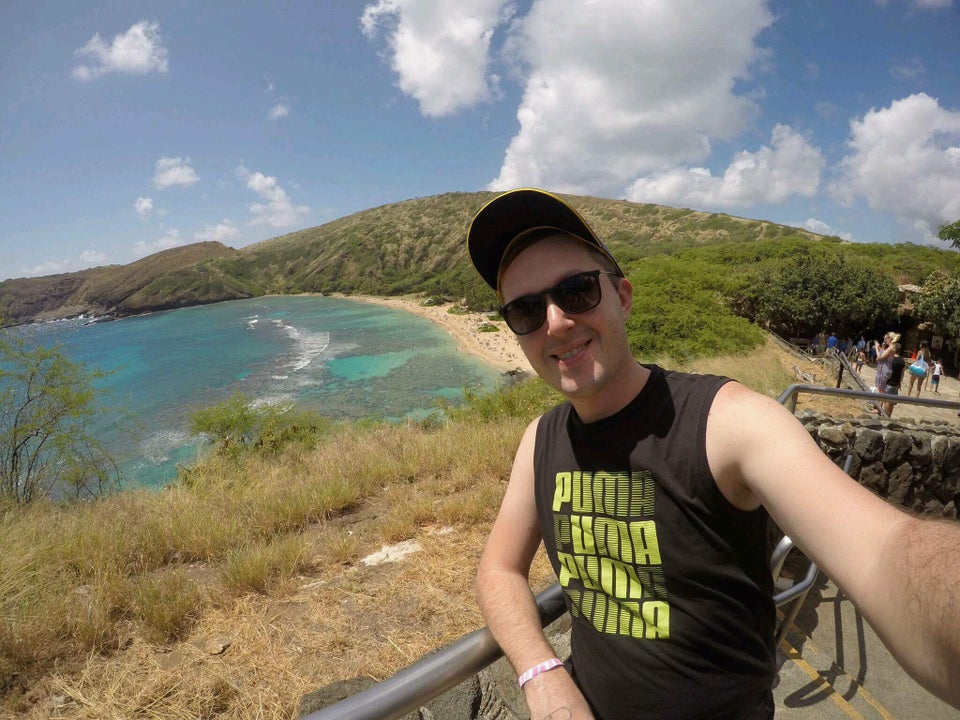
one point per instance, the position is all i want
(539, 669)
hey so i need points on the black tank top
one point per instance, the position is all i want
(896, 374)
(667, 583)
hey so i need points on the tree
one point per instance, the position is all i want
(46, 402)
(939, 302)
(831, 293)
(951, 233)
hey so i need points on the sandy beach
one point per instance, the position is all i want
(498, 349)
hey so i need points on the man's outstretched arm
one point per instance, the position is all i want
(902, 573)
(507, 603)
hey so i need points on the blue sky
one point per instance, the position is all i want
(128, 127)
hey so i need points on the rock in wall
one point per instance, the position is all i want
(916, 466)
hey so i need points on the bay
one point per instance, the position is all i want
(342, 358)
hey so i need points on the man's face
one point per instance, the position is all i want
(582, 355)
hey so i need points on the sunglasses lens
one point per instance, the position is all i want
(578, 294)
(525, 314)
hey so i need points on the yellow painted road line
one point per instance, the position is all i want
(884, 713)
(861, 691)
(838, 699)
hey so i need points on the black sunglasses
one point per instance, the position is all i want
(576, 294)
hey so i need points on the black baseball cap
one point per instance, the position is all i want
(514, 213)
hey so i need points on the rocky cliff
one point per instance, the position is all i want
(150, 283)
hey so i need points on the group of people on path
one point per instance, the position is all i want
(892, 366)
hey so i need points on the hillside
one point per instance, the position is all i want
(115, 290)
(417, 246)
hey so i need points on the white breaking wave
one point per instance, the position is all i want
(307, 345)
(156, 448)
(282, 402)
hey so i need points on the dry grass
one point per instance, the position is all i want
(95, 599)
(233, 595)
(766, 370)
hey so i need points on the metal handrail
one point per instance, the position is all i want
(788, 398)
(433, 675)
(443, 670)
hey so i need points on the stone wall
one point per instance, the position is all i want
(916, 466)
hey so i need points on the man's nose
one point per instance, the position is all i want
(557, 320)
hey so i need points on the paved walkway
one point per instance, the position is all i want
(949, 389)
(833, 666)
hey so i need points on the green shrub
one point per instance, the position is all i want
(236, 425)
(525, 400)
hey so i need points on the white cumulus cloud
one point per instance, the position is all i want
(621, 89)
(137, 51)
(86, 259)
(280, 110)
(439, 49)
(789, 166)
(905, 159)
(144, 207)
(91, 258)
(221, 232)
(821, 228)
(921, 4)
(277, 210)
(50, 267)
(172, 171)
(170, 239)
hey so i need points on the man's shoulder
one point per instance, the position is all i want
(559, 411)
(676, 378)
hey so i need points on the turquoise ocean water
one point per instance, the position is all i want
(343, 358)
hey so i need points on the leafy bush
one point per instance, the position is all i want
(236, 425)
(525, 400)
(679, 312)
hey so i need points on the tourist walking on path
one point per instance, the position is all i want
(884, 355)
(919, 369)
(935, 376)
(897, 365)
(650, 492)
(831, 344)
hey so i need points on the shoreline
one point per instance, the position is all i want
(499, 350)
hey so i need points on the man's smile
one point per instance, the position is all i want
(572, 353)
